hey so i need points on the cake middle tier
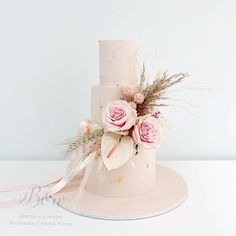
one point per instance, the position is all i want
(100, 95)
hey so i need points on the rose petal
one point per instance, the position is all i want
(118, 116)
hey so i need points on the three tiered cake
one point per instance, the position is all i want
(112, 173)
(116, 176)
(118, 68)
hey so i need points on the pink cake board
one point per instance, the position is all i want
(169, 192)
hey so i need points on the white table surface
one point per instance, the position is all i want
(210, 209)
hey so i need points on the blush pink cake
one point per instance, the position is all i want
(116, 175)
(112, 172)
(118, 68)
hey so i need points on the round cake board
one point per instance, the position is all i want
(169, 192)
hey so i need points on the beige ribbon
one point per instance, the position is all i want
(74, 168)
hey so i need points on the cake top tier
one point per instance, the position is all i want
(118, 62)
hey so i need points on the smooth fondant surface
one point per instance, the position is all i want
(136, 177)
(118, 67)
(118, 62)
(99, 96)
(168, 193)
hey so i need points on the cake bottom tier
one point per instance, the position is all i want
(134, 178)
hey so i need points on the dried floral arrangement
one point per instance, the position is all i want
(128, 124)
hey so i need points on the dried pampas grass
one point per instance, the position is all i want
(154, 94)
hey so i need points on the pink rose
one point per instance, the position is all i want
(119, 117)
(147, 132)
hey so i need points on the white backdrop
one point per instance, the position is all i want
(49, 60)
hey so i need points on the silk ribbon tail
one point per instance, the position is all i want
(84, 179)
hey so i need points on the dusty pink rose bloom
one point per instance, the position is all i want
(119, 117)
(147, 132)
